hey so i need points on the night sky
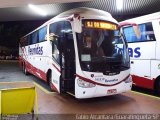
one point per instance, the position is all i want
(11, 32)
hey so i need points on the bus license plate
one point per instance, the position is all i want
(112, 91)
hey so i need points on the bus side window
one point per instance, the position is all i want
(150, 33)
(68, 28)
(69, 42)
(42, 33)
(56, 29)
(29, 39)
(146, 33)
(34, 37)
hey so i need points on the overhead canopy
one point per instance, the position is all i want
(17, 10)
(20, 3)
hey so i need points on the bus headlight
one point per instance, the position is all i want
(128, 80)
(84, 84)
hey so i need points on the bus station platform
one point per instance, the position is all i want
(125, 103)
(53, 103)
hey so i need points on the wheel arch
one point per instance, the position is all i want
(49, 71)
(155, 82)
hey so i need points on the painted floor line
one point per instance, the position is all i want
(43, 89)
(145, 94)
(14, 82)
(39, 86)
(48, 92)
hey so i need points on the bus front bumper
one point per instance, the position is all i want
(99, 91)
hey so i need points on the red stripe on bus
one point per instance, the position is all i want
(33, 70)
(91, 81)
(143, 82)
(37, 72)
(42, 74)
(54, 88)
(23, 51)
(56, 68)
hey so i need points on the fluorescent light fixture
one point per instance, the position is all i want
(37, 10)
(119, 4)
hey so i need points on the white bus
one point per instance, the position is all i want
(144, 50)
(80, 52)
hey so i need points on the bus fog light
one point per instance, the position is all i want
(84, 84)
(129, 79)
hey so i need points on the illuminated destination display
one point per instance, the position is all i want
(101, 25)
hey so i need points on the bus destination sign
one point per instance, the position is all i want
(100, 25)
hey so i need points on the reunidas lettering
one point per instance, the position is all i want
(37, 50)
(134, 52)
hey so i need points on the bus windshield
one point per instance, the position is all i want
(101, 48)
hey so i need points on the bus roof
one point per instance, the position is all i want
(145, 18)
(86, 13)
(83, 12)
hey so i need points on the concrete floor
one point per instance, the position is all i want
(53, 103)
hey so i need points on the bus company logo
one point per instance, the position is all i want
(100, 79)
(96, 76)
(106, 80)
(134, 52)
(92, 75)
(36, 50)
(114, 80)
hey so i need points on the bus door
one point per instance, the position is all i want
(67, 60)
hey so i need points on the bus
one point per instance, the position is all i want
(144, 50)
(80, 52)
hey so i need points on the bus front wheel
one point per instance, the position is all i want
(49, 76)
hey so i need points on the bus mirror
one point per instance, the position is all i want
(77, 25)
(52, 37)
(137, 31)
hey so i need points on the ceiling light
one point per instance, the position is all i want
(119, 4)
(37, 10)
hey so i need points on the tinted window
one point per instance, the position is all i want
(29, 39)
(67, 27)
(146, 33)
(42, 34)
(55, 50)
(34, 37)
(56, 28)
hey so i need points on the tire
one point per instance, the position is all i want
(25, 70)
(61, 84)
(157, 87)
(50, 80)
